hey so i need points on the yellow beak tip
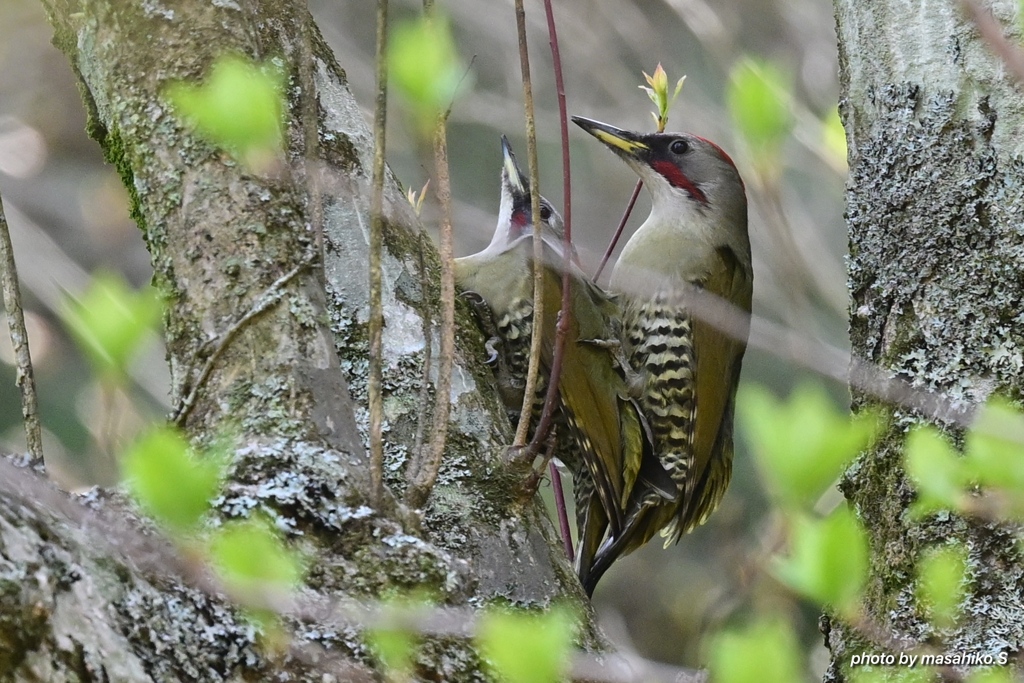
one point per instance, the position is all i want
(611, 140)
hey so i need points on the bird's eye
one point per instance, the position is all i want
(679, 147)
(545, 213)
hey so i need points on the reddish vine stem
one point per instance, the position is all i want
(376, 326)
(618, 230)
(563, 515)
(564, 317)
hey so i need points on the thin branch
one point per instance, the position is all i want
(376, 326)
(311, 144)
(19, 340)
(526, 413)
(565, 315)
(561, 510)
(427, 327)
(269, 297)
(416, 495)
(618, 231)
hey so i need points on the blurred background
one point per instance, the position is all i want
(69, 219)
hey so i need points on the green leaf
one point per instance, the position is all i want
(833, 138)
(764, 651)
(892, 673)
(110, 320)
(942, 575)
(252, 558)
(524, 647)
(239, 107)
(759, 99)
(994, 447)
(993, 675)
(801, 447)
(828, 561)
(424, 65)
(394, 649)
(170, 484)
(936, 470)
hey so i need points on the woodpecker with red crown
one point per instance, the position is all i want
(685, 371)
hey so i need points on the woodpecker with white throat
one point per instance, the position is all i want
(685, 369)
(600, 433)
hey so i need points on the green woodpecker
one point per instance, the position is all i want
(599, 430)
(685, 370)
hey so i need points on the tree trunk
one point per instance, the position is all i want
(287, 388)
(935, 208)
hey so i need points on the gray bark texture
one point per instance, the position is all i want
(935, 208)
(286, 390)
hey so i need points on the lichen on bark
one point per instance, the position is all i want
(935, 209)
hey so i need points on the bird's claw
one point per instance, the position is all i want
(492, 352)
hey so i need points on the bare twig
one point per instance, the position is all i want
(311, 143)
(561, 510)
(992, 33)
(376, 325)
(618, 230)
(427, 327)
(19, 340)
(526, 413)
(564, 317)
(424, 478)
(269, 297)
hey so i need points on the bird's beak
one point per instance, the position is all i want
(518, 184)
(623, 142)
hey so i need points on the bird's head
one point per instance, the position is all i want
(686, 174)
(515, 213)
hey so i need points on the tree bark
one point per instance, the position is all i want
(934, 208)
(287, 388)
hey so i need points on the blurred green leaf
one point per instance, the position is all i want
(526, 647)
(764, 651)
(937, 471)
(994, 447)
(940, 584)
(394, 649)
(110, 320)
(252, 557)
(168, 482)
(803, 445)
(892, 674)
(239, 107)
(393, 640)
(828, 561)
(833, 138)
(992, 675)
(424, 66)
(759, 99)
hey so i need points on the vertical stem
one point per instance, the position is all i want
(562, 328)
(526, 413)
(417, 494)
(375, 398)
(563, 516)
(19, 340)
